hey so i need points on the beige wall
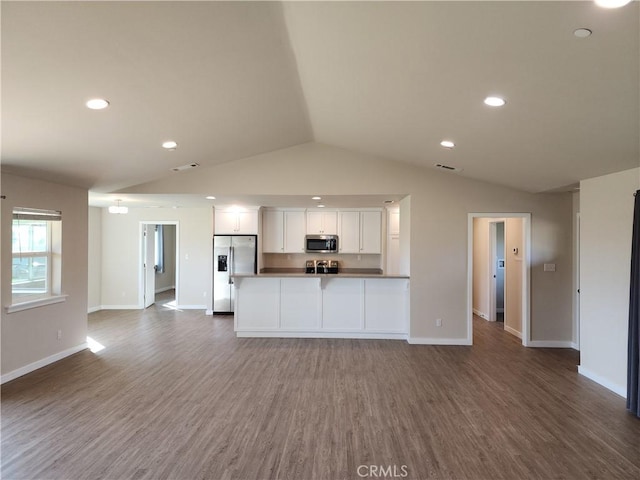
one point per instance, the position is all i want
(121, 240)
(606, 218)
(29, 336)
(94, 278)
(481, 267)
(514, 267)
(436, 223)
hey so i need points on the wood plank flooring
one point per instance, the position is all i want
(175, 395)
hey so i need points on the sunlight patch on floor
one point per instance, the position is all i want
(94, 345)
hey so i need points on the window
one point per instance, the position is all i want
(37, 254)
(159, 245)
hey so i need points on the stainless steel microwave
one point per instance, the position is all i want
(321, 243)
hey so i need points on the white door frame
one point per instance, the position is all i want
(141, 257)
(526, 271)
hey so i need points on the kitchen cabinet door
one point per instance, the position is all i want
(370, 232)
(273, 231)
(294, 231)
(349, 232)
(229, 222)
(322, 223)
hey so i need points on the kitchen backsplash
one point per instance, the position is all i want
(297, 260)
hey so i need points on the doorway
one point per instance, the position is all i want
(159, 263)
(498, 262)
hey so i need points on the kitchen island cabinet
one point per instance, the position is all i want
(321, 306)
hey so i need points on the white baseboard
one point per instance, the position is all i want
(620, 390)
(191, 307)
(94, 309)
(480, 314)
(439, 341)
(165, 289)
(42, 363)
(316, 334)
(208, 312)
(550, 343)
(513, 331)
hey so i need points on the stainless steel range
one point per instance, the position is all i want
(321, 266)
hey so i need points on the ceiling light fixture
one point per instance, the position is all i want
(582, 32)
(118, 209)
(210, 197)
(170, 145)
(316, 198)
(612, 3)
(97, 104)
(494, 101)
(447, 144)
(320, 206)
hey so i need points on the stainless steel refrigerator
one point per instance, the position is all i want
(232, 254)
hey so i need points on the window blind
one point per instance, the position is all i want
(21, 213)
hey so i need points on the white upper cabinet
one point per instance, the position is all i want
(234, 222)
(370, 232)
(273, 231)
(359, 232)
(322, 223)
(283, 231)
(394, 222)
(349, 232)
(294, 231)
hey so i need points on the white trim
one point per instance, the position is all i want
(208, 312)
(480, 314)
(438, 341)
(95, 309)
(191, 307)
(40, 302)
(620, 390)
(513, 331)
(551, 343)
(42, 363)
(316, 334)
(575, 346)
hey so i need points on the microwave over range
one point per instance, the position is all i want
(321, 243)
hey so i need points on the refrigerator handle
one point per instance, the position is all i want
(231, 261)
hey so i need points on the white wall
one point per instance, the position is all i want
(435, 226)
(606, 217)
(94, 278)
(29, 337)
(514, 267)
(121, 264)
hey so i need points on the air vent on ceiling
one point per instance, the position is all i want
(447, 168)
(185, 167)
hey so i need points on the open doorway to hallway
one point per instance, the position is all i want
(498, 271)
(159, 254)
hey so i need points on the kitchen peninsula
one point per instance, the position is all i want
(344, 305)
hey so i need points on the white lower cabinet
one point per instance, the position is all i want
(324, 306)
(342, 305)
(300, 302)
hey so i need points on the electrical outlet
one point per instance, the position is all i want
(438, 322)
(59, 334)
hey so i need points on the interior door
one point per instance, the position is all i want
(149, 265)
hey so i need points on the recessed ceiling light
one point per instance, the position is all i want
(316, 198)
(169, 145)
(494, 101)
(210, 197)
(582, 32)
(612, 3)
(97, 104)
(388, 201)
(320, 206)
(447, 144)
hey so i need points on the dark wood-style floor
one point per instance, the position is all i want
(175, 395)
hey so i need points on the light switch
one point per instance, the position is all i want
(549, 267)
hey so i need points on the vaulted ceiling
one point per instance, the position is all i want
(391, 79)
